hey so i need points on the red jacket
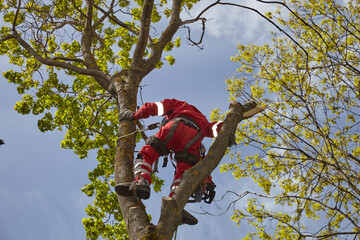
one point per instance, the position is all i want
(172, 108)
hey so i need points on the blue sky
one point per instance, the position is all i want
(40, 183)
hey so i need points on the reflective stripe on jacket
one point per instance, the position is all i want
(172, 108)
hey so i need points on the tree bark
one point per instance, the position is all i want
(136, 219)
(124, 85)
(137, 222)
(195, 175)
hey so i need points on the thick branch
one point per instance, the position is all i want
(68, 59)
(169, 218)
(90, 61)
(7, 37)
(86, 40)
(145, 21)
(165, 38)
(16, 15)
(133, 211)
(195, 175)
(50, 62)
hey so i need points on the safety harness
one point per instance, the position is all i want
(205, 191)
(184, 155)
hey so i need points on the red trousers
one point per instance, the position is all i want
(182, 135)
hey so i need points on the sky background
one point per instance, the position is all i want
(40, 183)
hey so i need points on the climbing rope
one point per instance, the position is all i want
(149, 127)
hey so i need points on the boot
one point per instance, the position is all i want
(139, 188)
(187, 218)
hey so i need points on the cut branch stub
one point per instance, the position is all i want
(169, 218)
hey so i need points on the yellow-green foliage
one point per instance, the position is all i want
(68, 101)
(309, 134)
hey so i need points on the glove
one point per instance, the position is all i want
(232, 140)
(126, 115)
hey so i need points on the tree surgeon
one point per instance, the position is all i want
(181, 132)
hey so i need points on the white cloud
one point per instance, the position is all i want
(238, 23)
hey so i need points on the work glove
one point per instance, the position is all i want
(232, 140)
(126, 115)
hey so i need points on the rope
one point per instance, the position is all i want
(149, 127)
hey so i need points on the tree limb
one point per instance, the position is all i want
(89, 58)
(140, 47)
(203, 20)
(16, 15)
(50, 62)
(7, 37)
(165, 38)
(115, 20)
(68, 59)
(195, 175)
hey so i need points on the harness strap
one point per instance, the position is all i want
(184, 155)
(188, 121)
(161, 146)
(172, 130)
(192, 141)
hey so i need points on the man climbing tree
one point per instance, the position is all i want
(104, 49)
(181, 132)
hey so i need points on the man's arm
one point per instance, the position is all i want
(147, 110)
(162, 108)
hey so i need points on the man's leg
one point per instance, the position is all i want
(187, 218)
(140, 187)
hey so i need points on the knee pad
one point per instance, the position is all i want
(159, 146)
